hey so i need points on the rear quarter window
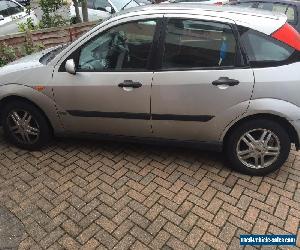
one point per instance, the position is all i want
(263, 50)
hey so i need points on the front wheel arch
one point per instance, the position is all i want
(280, 120)
(13, 98)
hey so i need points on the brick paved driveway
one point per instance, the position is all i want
(114, 195)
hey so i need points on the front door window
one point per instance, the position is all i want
(122, 48)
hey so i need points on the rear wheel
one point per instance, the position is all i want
(258, 147)
(25, 125)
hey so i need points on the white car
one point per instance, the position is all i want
(11, 14)
(101, 9)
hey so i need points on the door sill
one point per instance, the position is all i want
(202, 145)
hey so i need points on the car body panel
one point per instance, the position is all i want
(191, 93)
(283, 86)
(100, 96)
(42, 99)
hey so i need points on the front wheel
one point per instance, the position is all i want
(25, 125)
(258, 147)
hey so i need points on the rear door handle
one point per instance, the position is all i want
(130, 84)
(225, 81)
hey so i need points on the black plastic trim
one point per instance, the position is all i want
(125, 115)
(141, 116)
(169, 117)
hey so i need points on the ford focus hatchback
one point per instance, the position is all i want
(219, 77)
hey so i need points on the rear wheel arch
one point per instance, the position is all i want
(280, 120)
(13, 98)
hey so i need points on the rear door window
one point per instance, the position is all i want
(198, 44)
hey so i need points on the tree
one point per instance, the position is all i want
(84, 8)
(84, 11)
(49, 16)
(77, 12)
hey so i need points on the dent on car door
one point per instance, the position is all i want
(201, 86)
(110, 92)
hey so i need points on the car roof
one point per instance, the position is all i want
(260, 20)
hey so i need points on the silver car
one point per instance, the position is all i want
(219, 78)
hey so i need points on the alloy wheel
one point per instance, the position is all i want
(258, 148)
(23, 126)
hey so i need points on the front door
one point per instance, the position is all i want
(110, 92)
(202, 85)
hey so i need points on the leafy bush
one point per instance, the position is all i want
(7, 54)
(27, 26)
(49, 18)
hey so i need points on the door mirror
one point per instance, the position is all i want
(108, 9)
(70, 67)
(1, 17)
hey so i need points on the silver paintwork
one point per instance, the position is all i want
(261, 91)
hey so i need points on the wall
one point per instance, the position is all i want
(48, 37)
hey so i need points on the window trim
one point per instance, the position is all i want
(152, 54)
(240, 61)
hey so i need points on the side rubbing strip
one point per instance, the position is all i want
(138, 116)
(196, 118)
(141, 116)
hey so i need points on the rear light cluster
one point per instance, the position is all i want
(218, 3)
(288, 35)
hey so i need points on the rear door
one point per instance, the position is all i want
(202, 84)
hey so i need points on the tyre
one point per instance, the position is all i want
(25, 126)
(257, 147)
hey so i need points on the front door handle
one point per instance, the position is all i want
(130, 84)
(225, 81)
